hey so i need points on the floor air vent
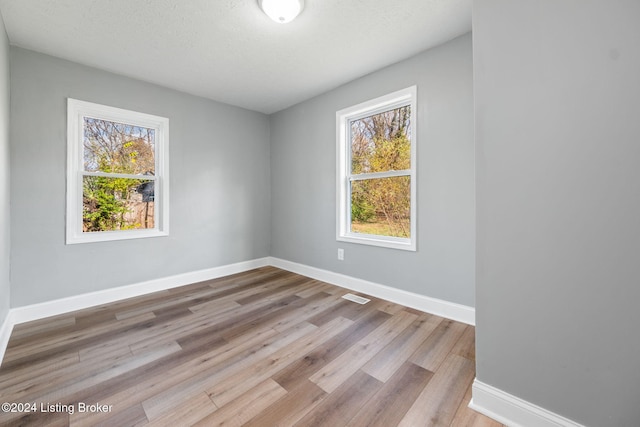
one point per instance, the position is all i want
(356, 298)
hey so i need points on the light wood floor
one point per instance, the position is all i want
(262, 348)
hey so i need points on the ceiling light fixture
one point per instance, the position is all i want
(282, 11)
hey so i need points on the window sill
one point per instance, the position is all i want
(380, 241)
(107, 236)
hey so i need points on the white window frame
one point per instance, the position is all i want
(76, 112)
(400, 98)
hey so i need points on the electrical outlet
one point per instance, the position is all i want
(340, 254)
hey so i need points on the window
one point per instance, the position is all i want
(377, 171)
(117, 173)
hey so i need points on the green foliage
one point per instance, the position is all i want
(384, 199)
(389, 202)
(105, 203)
(120, 149)
(361, 209)
(380, 143)
(383, 155)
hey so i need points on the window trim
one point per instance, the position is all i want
(400, 98)
(76, 112)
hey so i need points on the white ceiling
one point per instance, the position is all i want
(229, 50)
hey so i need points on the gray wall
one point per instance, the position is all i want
(4, 174)
(219, 183)
(303, 173)
(557, 105)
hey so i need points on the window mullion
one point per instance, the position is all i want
(119, 175)
(375, 175)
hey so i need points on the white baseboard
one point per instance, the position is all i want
(513, 411)
(79, 302)
(5, 333)
(450, 310)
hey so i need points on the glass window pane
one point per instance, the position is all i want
(381, 206)
(110, 204)
(381, 142)
(118, 147)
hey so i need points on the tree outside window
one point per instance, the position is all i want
(117, 203)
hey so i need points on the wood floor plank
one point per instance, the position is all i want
(99, 352)
(149, 334)
(265, 347)
(339, 407)
(185, 327)
(438, 345)
(32, 351)
(385, 363)
(270, 315)
(437, 404)
(272, 283)
(10, 377)
(133, 416)
(35, 419)
(241, 410)
(298, 372)
(392, 308)
(337, 310)
(253, 277)
(39, 327)
(466, 416)
(242, 319)
(192, 410)
(284, 285)
(336, 372)
(233, 386)
(101, 312)
(291, 408)
(204, 323)
(309, 307)
(313, 287)
(348, 309)
(45, 392)
(143, 384)
(466, 345)
(212, 305)
(72, 376)
(201, 381)
(241, 290)
(391, 403)
(184, 300)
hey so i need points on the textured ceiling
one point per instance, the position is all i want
(229, 50)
